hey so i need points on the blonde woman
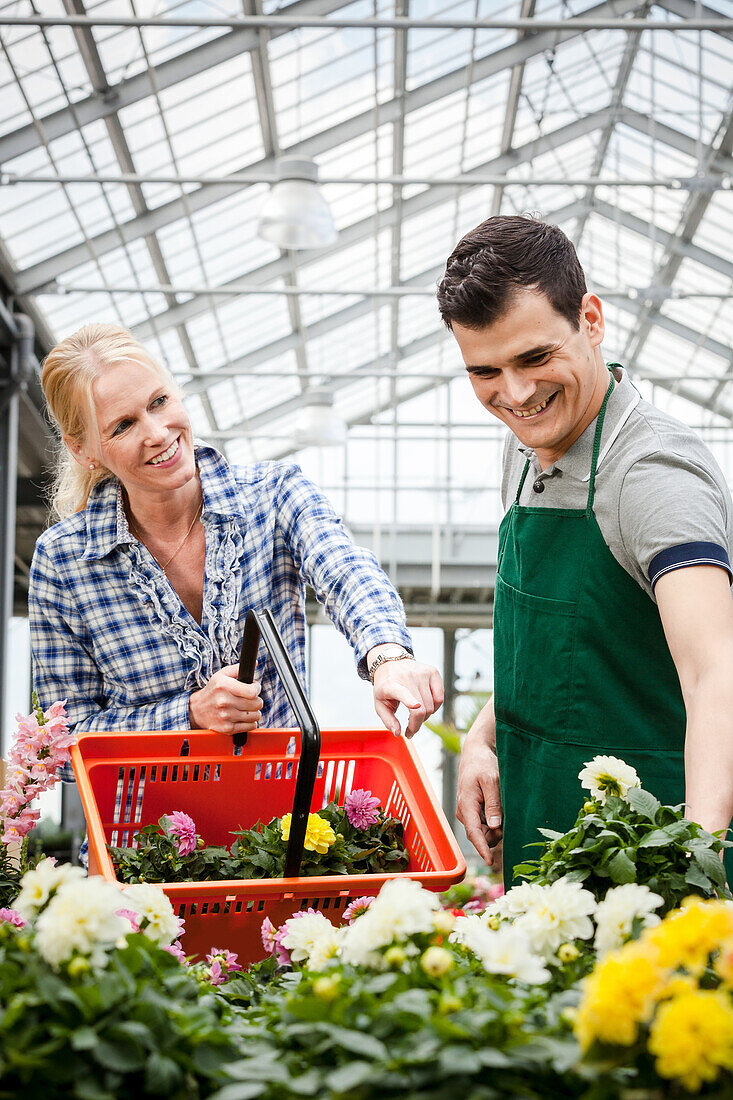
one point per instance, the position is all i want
(138, 593)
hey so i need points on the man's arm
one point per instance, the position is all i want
(479, 799)
(696, 609)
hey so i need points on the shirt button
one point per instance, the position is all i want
(539, 486)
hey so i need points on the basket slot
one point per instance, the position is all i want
(207, 772)
(337, 790)
(140, 793)
(349, 785)
(258, 771)
(174, 774)
(164, 773)
(118, 792)
(196, 769)
(328, 783)
(278, 771)
(153, 773)
(289, 770)
(319, 771)
(217, 772)
(237, 750)
(268, 771)
(184, 777)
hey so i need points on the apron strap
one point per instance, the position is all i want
(597, 446)
(522, 480)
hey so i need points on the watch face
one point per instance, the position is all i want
(393, 650)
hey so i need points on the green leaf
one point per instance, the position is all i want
(83, 1038)
(242, 1090)
(621, 868)
(696, 877)
(162, 1075)
(711, 864)
(644, 802)
(350, 1076)
(119, 1057)
(656, 838)
(551, 834)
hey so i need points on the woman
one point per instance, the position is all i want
(138, 594)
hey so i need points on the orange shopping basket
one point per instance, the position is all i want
(129, 780)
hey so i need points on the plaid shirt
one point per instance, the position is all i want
(110, 635)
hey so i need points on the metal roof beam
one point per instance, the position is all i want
(46, 271)
(364, 229)
(691, 9)
(138, 87)
(673, 243)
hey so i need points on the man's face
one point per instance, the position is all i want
(535, 372)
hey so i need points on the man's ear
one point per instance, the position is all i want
(591, 317)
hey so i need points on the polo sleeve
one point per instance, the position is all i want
(674, 513)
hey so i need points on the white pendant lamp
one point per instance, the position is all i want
(317, 424)
(295, 214)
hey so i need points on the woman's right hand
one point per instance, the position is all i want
(226, 705)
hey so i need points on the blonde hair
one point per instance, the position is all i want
(69, 371)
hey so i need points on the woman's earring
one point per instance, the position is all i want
(92, 466)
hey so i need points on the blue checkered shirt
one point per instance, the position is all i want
(110, 635)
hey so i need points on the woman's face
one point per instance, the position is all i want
(145, 436)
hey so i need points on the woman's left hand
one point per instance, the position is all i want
(417, 686)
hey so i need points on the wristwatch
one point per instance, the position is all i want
(393, 653)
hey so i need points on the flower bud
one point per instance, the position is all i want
(327, 988)
(436, 961)
(493, 923)
(394, 956)
(78, 966)
(567, 952)
(444, 921)
(449, 1003)
(589, 807)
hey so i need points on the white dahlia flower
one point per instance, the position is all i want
(325, 950)
(157, 919)
(403, 908)
(303, 934)
(506, 951)
(81, 918)
(38, 885)
(558, 913)
(619, 909)
(607, 775)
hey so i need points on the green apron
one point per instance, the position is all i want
(581, 667)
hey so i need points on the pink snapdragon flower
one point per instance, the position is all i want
(11, 916)
(357, 908)
(41, 746)
(362, 809)
(182, 829)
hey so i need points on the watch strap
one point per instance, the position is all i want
(382, 659)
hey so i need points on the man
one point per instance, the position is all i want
(613, 618)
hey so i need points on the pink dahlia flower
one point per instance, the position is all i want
(176, 951)
(362, 809)
(357, 908)
(228, 959)
(183, 830)
(216, 974)
(132, 916)
(269, 931)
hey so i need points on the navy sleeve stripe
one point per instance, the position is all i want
(688, 553)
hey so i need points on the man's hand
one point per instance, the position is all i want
(479, 801)
(226, 705)
(417, 686)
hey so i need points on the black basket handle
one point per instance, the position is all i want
(261, 624)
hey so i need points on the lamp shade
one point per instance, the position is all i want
(317, 424)
(295, 214)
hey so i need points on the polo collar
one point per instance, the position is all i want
(577, 459)
(106, 522)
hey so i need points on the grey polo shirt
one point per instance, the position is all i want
(661, 500)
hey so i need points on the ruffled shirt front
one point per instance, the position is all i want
(110, 634)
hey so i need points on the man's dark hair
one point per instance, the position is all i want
(502, 256)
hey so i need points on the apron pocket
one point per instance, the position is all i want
(534, 640)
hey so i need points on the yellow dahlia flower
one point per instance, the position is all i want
(619, 995)
(692, 1037)
(688, 936)
(319, 836)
